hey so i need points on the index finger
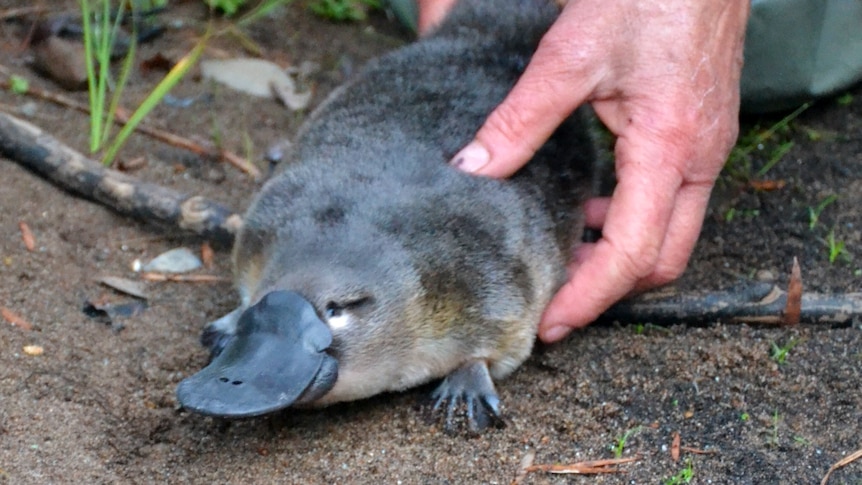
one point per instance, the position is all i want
(558, 78)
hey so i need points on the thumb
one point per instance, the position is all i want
(546, 94)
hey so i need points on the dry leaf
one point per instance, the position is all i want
(674, 447)
(124, 285)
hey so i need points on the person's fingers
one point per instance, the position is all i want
(431, 13)
(596, 211)
(557, 80)
(632, 239)
(682, 233)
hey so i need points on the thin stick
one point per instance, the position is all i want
(584, 467)
(842, 462)
(121, 118)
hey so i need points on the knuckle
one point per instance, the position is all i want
(667, 271)
(639, 262)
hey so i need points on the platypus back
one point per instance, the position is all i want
(418, 271)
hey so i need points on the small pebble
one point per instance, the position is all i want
(179, 260)
(34, 350)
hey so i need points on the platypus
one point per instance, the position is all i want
(369, 264)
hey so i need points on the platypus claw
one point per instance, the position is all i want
(276, 358)
(470, 391)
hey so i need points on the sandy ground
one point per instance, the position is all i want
(98, 405)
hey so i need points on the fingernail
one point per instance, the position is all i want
(471, 158)
(555, 333)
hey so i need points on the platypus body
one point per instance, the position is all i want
(369, 264)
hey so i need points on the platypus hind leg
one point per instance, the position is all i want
(471, 386)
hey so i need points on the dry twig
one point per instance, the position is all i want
(14, 319)
(184, 278)
(842, 462)
(27, 236)
(121, 117)
(585, 467)
(45, 155)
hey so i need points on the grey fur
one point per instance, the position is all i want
(430, 268)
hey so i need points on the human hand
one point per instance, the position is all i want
(663, 76)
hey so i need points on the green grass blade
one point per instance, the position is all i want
(153, 99)
(261, 9)
(89, 43)
(128, 62)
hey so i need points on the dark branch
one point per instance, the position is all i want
(45, 155)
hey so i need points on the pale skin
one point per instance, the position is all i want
(663, 76)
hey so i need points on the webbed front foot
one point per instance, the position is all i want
(468, 393)
(218, 333)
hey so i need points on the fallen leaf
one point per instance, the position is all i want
(14, 319)
(124, 285)
(290, 96)
(27, 236)
(674, 447)
(251, 76)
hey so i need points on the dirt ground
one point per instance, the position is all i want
(98, 405)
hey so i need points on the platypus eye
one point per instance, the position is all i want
(336, 309)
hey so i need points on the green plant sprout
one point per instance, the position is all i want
(683, 476)
(739, 164)
(620, 443)
(801, 440)
(836, 248)
(100, 35)
(814, 212)
(165, 85)
(773, 439)
(18, 84)
(779, 354)
(845, 99)
(343, 10)
(734, 213)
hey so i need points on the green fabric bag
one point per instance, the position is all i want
(796, 50)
